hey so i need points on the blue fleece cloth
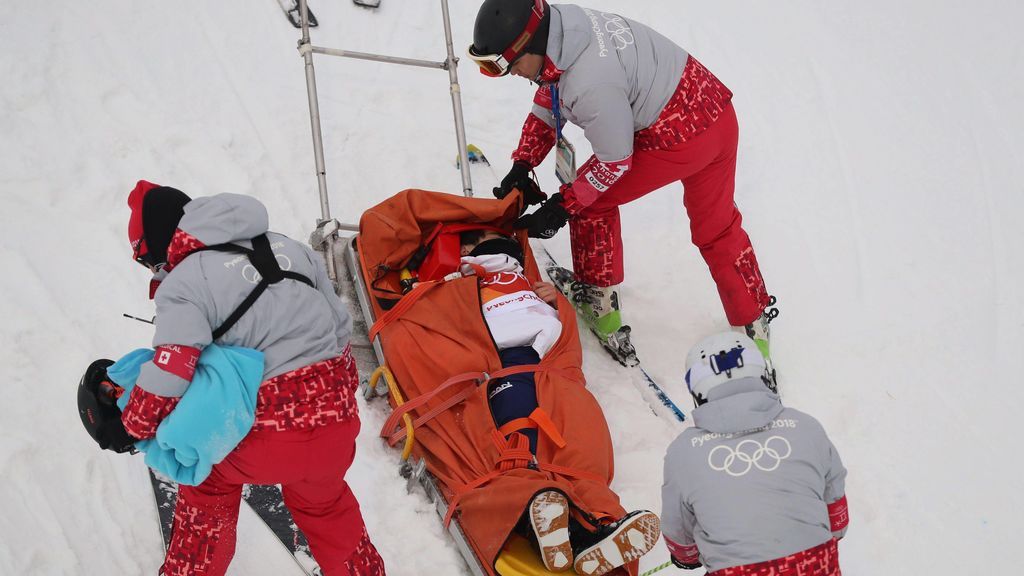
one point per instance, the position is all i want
(213, 416)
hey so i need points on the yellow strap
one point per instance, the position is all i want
(410, 434)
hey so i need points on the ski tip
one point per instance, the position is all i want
(475, 156)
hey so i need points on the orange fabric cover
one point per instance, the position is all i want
(444, 334)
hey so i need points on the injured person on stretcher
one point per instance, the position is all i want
(524, 325)
(489, 362)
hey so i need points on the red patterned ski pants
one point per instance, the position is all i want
(822, 560)
(306, 456)
(706, 165)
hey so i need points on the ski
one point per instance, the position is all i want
(265, 501)
(480, 168)
(476, 156)
(660, 402)
(165, 492)
(293, 12)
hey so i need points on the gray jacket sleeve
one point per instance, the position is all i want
(677, 518)
(604, 113)
(342, 319)
(180, 321)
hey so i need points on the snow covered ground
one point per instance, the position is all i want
(880, 176)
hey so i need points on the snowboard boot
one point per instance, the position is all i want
(549, 518)
(599, 308)
(760, 333)
(621, 542)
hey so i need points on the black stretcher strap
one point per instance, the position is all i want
(262, 257)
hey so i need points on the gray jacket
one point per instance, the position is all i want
(751, 481)
(292, 324)
(617, 76)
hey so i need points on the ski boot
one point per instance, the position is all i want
(549, 518)
(619, 543)
(599, 308)
(760, 333)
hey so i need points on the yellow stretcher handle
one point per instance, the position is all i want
(518, 558)
(389, 378)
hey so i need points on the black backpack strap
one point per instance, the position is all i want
(242, 309)
(264, 260)
(262, 257)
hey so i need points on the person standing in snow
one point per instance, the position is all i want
(653, 115)
(754, 488)
(306, 414)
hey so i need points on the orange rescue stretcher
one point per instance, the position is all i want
(439, 358)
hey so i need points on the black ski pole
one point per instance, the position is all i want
(139, 319)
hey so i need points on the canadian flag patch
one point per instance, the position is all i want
(178, 360)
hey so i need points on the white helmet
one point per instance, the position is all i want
(721, 358)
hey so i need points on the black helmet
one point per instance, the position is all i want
(500, 23)
(504, 245)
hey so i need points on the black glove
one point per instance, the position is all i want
(685, 566)
(546, 220)
(519, 177)
(97, 406)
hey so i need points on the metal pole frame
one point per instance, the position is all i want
(318, 142)
(306, 49)
(327, 228)
(456, 91)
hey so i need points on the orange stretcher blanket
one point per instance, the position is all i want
(443, 334)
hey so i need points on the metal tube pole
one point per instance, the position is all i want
(318, 144)
(460, 126)
(378, 57)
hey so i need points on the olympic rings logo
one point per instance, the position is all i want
(252, 276)
(749, 454)
(504, 279)
(618, 29)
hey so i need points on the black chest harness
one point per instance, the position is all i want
(262, 257)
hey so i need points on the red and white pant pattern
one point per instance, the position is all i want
(694, 141)
(822, 560)
(304, 440)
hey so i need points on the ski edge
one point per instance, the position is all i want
(165, 493)
(665, 406)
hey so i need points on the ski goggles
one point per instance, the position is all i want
(495, 65)
(142, 255)
(139, 252)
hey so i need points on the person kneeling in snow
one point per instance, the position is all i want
(267, 292)
(524, 324)
(754, 488)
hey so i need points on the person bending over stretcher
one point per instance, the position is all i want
(524, 323)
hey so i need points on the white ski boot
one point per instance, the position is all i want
(626, 540)
(549, 518)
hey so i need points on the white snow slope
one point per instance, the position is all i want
(880, 175)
